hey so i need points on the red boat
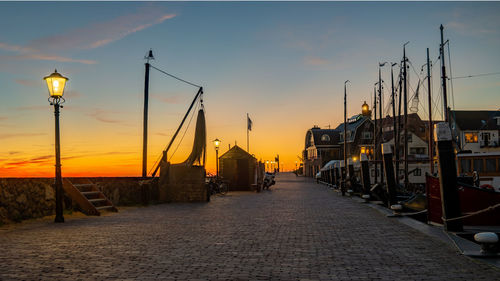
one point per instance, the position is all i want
(472, 199)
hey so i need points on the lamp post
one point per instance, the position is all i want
(55, 84)
(216, 144)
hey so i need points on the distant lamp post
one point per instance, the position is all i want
(216, 144)
(56, 83)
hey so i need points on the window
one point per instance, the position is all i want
(491, 165)
(417, 172)
(465, 166)
(367, 135)
(342, 136)
(471, 137)
(325, 137)
(417, 150)
(478, 165)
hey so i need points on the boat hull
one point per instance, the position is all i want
(472, 199)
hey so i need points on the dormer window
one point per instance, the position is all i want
(325, 138)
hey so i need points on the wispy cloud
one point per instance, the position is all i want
(32, 108)
(315, 61)
(52, 58)
(8, 136)
(104, 116)
(92, 36)
(469, 22)
(34, 160)
(29, 83)
(103, 33)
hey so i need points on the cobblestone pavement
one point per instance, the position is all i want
(297, 231)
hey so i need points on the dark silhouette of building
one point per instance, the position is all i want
(238, 168)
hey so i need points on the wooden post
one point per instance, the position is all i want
(343, 176)
(389, 174)
(450, 200)
(350, 169)
(365, 174)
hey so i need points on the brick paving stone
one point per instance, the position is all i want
(297, 231)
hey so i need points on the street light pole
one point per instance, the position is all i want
(58, 183)
(217, 143)
(55, 84)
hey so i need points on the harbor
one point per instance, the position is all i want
(298, 230)
(310, 144)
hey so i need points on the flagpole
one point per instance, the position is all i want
(248, 138)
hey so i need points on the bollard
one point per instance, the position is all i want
(365, 177)
(343, 176)
(488, 241)
(389, 174)
(352, 177)
(450, 201)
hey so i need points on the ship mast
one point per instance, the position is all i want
(443, 76)
(431, 154)
(405, 98)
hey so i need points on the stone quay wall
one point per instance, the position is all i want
(27, 198)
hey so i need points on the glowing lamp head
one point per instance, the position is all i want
(55, 84)
(365, 109)
(217, 143)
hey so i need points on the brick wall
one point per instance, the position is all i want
(180, 183)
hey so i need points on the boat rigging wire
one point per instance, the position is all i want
(451, 77)
(476, 75)
(175, 77)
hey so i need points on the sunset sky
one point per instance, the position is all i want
(284, 63)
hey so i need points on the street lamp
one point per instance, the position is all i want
(55, 84)
(216, 144)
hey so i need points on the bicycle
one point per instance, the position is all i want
(216, 185)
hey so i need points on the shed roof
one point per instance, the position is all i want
(237, 152)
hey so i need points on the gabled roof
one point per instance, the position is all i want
(475, 119)
(353, 124)
(317, 136)
(237, 152)
(333, 135)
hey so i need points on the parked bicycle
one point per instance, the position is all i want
(216, 185)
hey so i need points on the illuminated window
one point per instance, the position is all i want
(471, 137)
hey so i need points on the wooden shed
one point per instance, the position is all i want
(238, 168)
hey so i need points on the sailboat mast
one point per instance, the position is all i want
(431, 154)
(443, 76)
(398, 132)
(375, 132)
(405, 102)
(394, 130)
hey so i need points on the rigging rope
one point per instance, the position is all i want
(175, 77)
(451, 77)
(476, 75)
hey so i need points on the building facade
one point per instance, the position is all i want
(476, 130)
(321, 146)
